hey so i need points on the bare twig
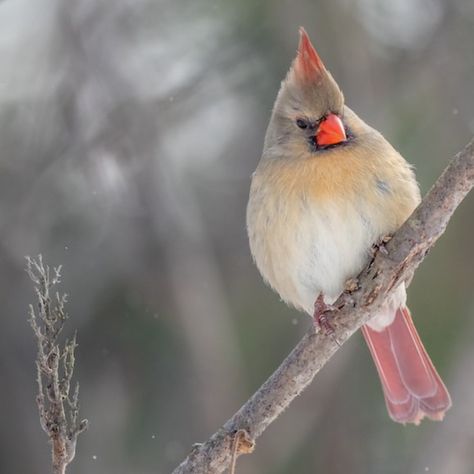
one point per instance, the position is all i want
(58, 408)
(242, 444)
(404, 252)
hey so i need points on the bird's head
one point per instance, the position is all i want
(309, 111)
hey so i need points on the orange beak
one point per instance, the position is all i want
(331, 131)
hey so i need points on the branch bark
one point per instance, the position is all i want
(405, 252)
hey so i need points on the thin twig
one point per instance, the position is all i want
(241, 444)
(233, 458)
(58, 409)
(404, 252)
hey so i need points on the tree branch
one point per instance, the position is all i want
(58, 408)
(405, 252)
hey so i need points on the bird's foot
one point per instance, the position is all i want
(351, 285)
(322, 315)
(380, 246)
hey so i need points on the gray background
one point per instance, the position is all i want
(128, 133)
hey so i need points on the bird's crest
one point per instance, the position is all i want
(308, 66)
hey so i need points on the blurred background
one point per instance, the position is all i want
(128, 134)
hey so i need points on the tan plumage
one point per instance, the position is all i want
(366, 183)
(315, 211)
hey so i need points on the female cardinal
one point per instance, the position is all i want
(327, 188)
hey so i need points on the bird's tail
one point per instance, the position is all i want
(412, 387)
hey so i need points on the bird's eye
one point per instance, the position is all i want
(302, 123)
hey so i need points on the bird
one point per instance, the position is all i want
(327, 188)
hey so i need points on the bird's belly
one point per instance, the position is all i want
(313, 250)
(333, 247)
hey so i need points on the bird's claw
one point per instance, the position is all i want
(321, 316)
(381, 245)
(351, 285)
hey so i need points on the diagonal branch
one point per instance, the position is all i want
(405, 251)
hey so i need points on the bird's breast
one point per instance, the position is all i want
(310, 231)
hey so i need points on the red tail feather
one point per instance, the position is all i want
(412, 387)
